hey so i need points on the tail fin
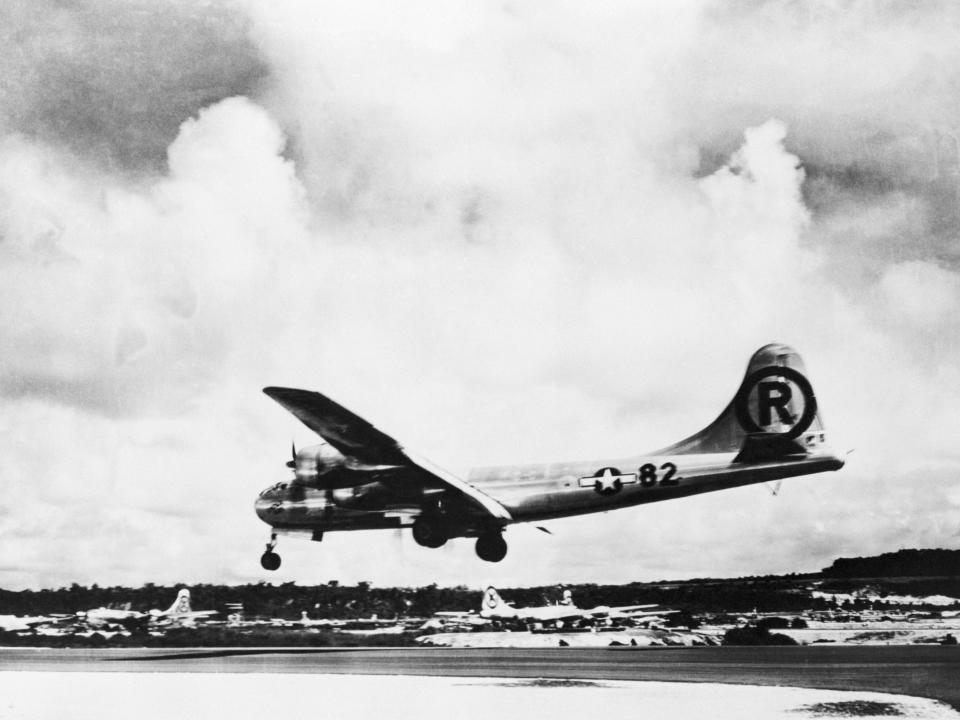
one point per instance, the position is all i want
(492, 600)
(181, 604)
(773, 414)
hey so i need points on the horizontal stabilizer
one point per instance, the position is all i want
(769, 447)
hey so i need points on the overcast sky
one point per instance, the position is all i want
(502, 232)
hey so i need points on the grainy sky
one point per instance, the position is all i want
(502, 232)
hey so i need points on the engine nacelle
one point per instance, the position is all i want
(358, 498)
(321, 466)
(324, 468)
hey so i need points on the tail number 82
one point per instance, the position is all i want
(649, 475)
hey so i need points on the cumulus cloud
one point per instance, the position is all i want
(111, 80)
(503, 234)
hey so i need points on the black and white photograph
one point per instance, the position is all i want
(479, 358)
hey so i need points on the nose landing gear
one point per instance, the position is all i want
(270, 560)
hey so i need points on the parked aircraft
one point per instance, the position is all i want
(305, 621)
(17, 623)
(493, 607)
(181, 611)
(454, 619)
(362, 479)
(103, 616)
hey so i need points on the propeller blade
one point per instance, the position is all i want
(292, 463)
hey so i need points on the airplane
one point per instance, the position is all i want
(180, 611)
(360, 478)
(306, 621)
(494, 607)
(102, 616)
(458, 619)
(19, 623)
(395, 628)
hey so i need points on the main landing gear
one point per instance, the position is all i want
(429, 530)
(491, 546)
(270, 560)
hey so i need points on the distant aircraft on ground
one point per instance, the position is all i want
(305, 621)
(14, 623)
(362, 479)
(181, 610)
(493, 607)
(108, 616)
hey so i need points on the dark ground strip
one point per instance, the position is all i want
(924, 671)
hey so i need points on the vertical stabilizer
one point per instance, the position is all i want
(181, 604)
(774, 410)
(493, 604)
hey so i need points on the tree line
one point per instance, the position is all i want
(902, 563)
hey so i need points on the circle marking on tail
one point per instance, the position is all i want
(773, 398)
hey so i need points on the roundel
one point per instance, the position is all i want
(776, 388)
(607, 481)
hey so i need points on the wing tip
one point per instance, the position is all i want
(275, 391)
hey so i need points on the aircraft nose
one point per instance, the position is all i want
(262, 507)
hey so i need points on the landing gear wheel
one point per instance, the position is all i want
(491, 547)
(270, 560)
(428, 530)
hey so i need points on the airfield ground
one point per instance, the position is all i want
(101, 696)
(918, 671)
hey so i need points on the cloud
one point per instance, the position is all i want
(118, 296)
(111, 80)
(921, 295)
(502, 234)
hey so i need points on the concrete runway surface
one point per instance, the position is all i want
(161, 696)
(931, 672)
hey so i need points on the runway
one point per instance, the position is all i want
(161, 696)
(923, 671)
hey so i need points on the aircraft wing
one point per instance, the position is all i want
(491, 506)
(188, 614)
(347, 432)
(459, 614)
(355, 438)
(630, 609)
(647, 613)
(622, 611)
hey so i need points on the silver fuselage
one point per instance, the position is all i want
(537, 492)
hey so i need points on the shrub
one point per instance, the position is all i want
(755, 636)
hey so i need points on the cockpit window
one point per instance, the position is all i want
(274, 488)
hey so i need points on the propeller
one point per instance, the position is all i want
(292, 463)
